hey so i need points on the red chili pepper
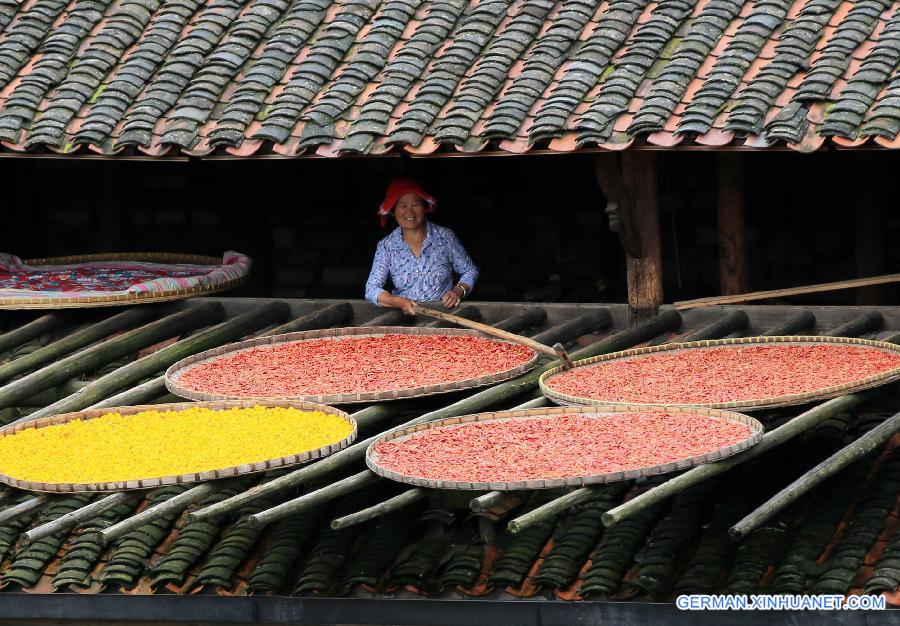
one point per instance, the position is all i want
(556, 447)
(353, 365)
(712, 375)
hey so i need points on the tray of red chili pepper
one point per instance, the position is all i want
(748, 373)
(559, 447)
(349, 365)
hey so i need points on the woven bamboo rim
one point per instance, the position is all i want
(861, 384)
(126, 299)
(373, 461)
(174, 372)
(149, 483)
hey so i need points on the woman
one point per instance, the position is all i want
(419, 257)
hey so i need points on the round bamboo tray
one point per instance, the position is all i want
(372, 457)
(78, 302)
(148, 483)
(174, 372)
(744, 405)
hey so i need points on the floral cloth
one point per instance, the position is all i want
(105, 278)
(424, 278)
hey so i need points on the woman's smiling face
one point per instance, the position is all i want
(410, 211)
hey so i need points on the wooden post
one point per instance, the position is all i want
(644, 272)
(732, 232)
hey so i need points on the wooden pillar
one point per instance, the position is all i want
(629, 184)
(644, 272)
(870, 231)
(732, 231)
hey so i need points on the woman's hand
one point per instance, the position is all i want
(399, 302)
(406, 305)
(452, 298)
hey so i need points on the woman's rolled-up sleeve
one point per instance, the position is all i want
(462, 262)
(379, 274)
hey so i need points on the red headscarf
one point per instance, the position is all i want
(398, 188)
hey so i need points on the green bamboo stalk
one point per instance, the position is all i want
(21, 508)
(312, 499)
(548, 510)
(144, 393)
(869, 321)
(105, 386)
(727, 324)
(79, 339)
(873, 439)
(382, 508)
(792, 325)
(472, 404)
(105, 352)
(69, 520)
(33, 329)
(173, 504)
(331, 315)
(528, 317)
(54, 394)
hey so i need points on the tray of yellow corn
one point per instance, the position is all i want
(140, 447)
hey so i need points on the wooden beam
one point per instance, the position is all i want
(732, 231)
(644, 272)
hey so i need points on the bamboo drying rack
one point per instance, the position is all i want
(174, 373)
(745, 405)
(74, 302)
(374, 464)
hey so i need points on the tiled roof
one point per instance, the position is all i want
(335, 77)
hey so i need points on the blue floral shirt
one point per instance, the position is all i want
(422, 279)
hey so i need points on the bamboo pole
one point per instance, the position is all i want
(78, 516)
(468, 312)
(331, 315)
(105, 386)
(727, 324)
(394, 317)
(791, 291)
(21, 508)
(173, 504)
(556, 351)
(312, 499)
(487, 501)
(867, 322)
(873, 439)
(472, 404)
(550, 509)
(142, 394)
(379, 510)
(526, 318)
(33, 329)
(792, 325)
(108, 351)
(128, 318)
